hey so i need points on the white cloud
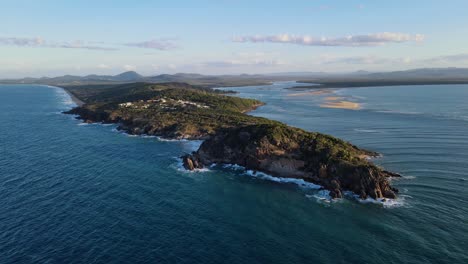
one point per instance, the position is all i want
(363, 60)
(103, 66)
(159, 44)
(260, 59)
(31, 42)
(128, 67)
(38, 42)
(348, 41)
(455, 58)
(41, 43)
(236, 63)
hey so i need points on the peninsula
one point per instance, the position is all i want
(183, 111)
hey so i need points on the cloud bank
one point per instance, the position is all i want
(364, 60)
(239, 63)
(158, 44)
(376, 39)
(41, 43)
(455, 58)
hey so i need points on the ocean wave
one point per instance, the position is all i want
(367, 130)
(260, 175)
(171, 139)
(399, 112)
(180, 167)
(64, 98)
(321, 195)
(120, 131)
(300, 182)
(230, 166)
(384, 202)
(188, 145)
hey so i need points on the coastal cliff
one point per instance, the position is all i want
(181, 111)
(284, 151)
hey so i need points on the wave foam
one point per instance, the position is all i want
(189, 145)
(64, 98)
(180, 167)
(385, 202)
(322, 196)
(300, 182)
(399, 112)
(366, 130)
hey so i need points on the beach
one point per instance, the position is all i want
(74, 98)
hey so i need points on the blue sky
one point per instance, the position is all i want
(50, 38)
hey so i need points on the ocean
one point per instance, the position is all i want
(80, 193)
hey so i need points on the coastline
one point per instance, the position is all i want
(75, 99)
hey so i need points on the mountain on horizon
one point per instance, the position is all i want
(244, 79)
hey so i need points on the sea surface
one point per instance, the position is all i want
(75, 193)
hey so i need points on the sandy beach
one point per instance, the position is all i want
(74, 98)
(333, 98)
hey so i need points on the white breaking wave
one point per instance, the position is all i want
(300, 182)
(366, 130)
(180, 167)
(399, 112)
(63, 97)
(385, 202)
(321, 196)
(191, 145)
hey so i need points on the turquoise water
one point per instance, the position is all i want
(73, 193)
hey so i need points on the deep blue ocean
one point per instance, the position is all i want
(74, 193)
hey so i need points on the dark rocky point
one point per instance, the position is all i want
(283, 151)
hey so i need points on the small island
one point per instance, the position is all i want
(183, 111)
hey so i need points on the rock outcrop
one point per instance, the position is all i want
(283, 151)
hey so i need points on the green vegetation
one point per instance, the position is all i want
(179, 110)
(323, 148)
(175, 110)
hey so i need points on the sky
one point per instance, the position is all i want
(57, 37)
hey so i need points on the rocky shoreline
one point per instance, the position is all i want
(254, 149)
(232, 137)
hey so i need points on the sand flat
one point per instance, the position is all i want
(342, 105)
(333, 98)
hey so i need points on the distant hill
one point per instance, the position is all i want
(424, 75)
(127, 76)
(131, 76)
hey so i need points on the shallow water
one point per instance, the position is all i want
(74, 193)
